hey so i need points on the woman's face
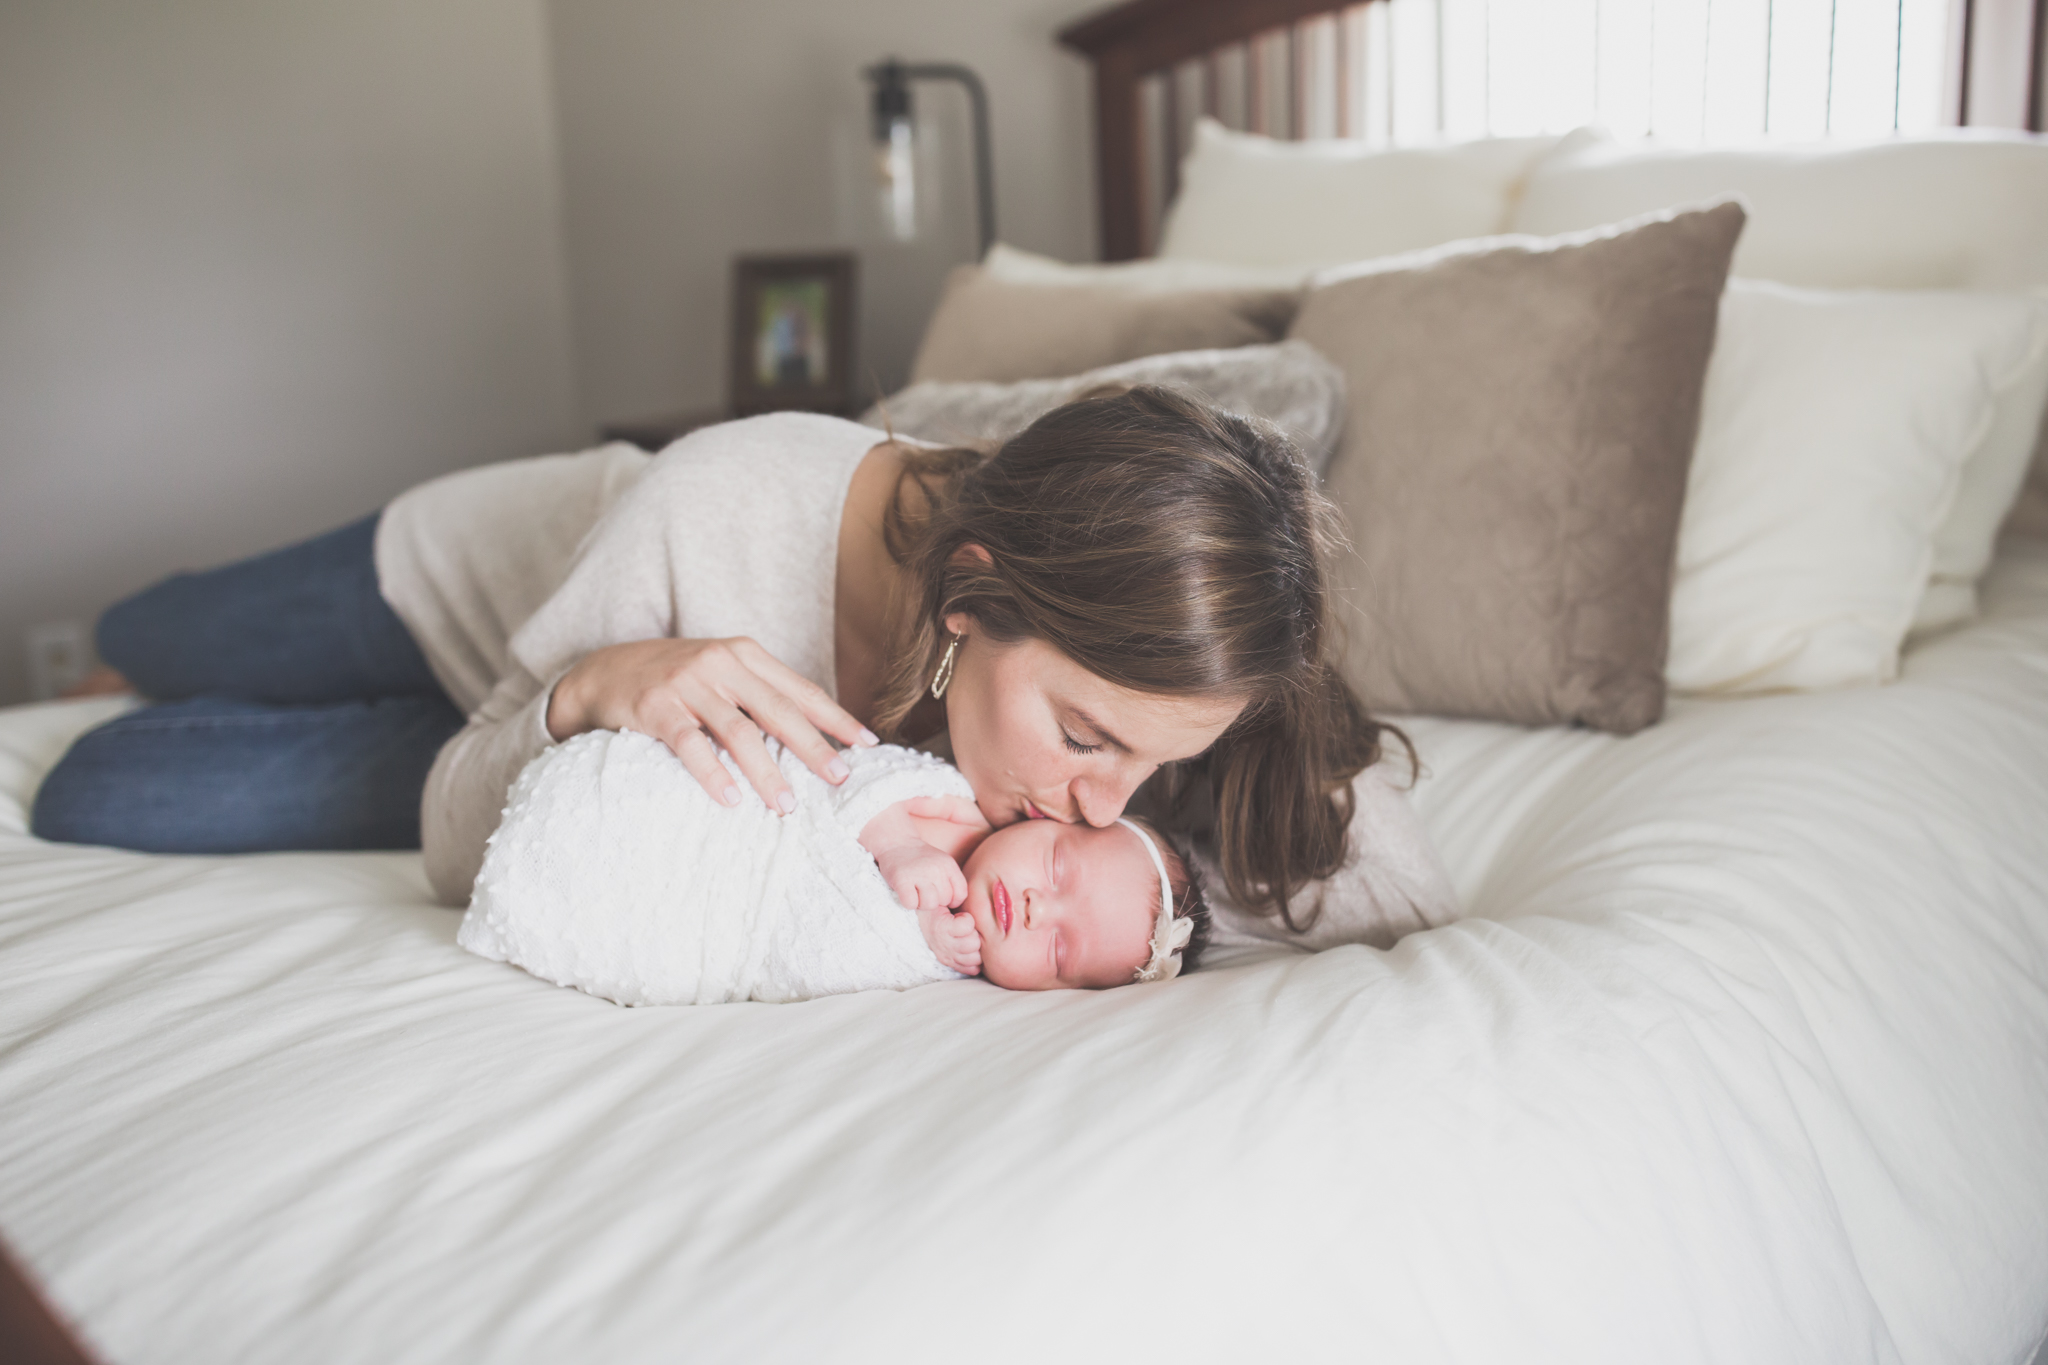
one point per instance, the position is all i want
(1040, 737)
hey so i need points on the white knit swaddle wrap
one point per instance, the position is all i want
(614, 872)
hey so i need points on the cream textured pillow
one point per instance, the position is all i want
(992, 329)
(1258, 201)
(1964, 210)
(1951, 211)
(1833, 434)
(1290, 385)
(1521, 414)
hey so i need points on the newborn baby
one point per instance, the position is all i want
(613, 871)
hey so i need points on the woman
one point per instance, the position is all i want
(1136, 583)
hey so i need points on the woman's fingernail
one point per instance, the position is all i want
(837, 770)
(786, 801)
(869, 737)
(732, 796)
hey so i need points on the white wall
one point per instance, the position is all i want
(696, 131)
(262, 266)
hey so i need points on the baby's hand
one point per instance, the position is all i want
(922, 877)
(931, 883)
(953, 939)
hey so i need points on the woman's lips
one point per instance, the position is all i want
(1032, 812)
(999, 904)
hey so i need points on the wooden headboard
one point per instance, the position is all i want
(1315, 68)
(1139, 41)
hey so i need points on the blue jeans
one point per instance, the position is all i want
(293, 711)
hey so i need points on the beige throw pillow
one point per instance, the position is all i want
(1521, 416)
(997, 330)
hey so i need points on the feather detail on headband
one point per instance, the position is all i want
(1169, 935)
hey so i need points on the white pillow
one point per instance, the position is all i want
(1991, 482)
(1956, 211)
(1013, 266)
(1252, 200)
(1833, 431)
(1963, 210)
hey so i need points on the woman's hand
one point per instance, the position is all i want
(688, 693)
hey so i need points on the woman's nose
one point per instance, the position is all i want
(1101, 802)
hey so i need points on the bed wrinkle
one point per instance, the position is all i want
(1778, 1038)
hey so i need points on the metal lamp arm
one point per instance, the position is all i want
(984, 157)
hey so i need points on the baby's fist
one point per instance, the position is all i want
(922, 877)
(953, 939)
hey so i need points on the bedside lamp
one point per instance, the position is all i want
(892, 143)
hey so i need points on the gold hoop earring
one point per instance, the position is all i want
(944, 677)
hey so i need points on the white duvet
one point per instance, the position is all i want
(1742, 1056)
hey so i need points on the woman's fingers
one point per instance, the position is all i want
(741, 738)
(813, 702)
(779, 715)
(694, 693)
(700, 756)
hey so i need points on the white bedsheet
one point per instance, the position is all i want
(1743, 1057)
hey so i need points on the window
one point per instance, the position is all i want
(1685, 71)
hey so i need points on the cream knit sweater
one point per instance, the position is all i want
(733, 530)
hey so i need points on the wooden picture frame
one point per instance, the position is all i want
(792, 333)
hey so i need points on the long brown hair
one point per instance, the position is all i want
(1170, 549)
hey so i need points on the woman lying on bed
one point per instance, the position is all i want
(1134, 584)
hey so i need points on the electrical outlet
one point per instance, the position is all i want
(58, 656)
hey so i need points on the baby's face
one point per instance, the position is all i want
(1061, 905)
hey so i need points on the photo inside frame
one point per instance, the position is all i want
(792, 335)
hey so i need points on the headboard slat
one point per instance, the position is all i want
(1154, 38)
(1155, 34)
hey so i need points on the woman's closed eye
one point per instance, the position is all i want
(1075, 746)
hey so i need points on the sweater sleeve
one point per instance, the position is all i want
(617, 589)
(465, 794)
(731, 531)
(465, 559)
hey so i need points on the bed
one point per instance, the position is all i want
(1738, 1058)
(1740, 1054)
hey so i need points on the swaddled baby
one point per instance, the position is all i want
(615, 872)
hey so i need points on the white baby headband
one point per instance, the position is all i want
(1169, 935)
